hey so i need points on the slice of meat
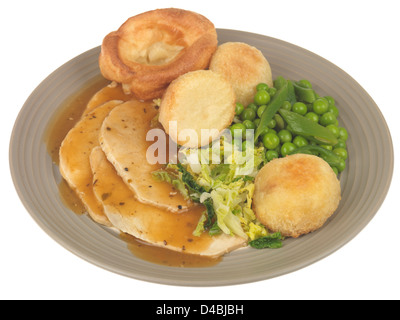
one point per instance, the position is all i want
(111, 92)
(123, 140)
(74, 158)
(151, 224)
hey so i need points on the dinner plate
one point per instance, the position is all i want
(365, 181)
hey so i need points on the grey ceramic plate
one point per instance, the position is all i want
(365, 181)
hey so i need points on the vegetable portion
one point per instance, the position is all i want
(224, 188)
(307, 128)
(272, 241)
(279, 97)
(294, 117)
(333, 159)
(286, 119)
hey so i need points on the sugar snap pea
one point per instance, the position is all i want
(330, 157)
(279, 97)
(291, 93)
(304, 94)
(279, 82)
(308, 128)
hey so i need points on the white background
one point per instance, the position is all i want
(361, 37)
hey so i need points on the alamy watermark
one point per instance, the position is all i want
(226, 148)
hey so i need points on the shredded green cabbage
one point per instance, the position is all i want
(220, 175)
(172, 178)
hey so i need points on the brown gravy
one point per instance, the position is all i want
(68, 115)
(70, 198)
(162, 256)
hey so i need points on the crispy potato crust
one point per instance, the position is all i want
(244, 66)
(196, 101)
(295, 195)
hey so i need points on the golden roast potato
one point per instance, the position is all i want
(296, 194)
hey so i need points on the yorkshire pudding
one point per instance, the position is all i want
(153, 48)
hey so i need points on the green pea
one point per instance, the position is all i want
(300, 108)
(334, 110)
(271, 140)
(286, 148)
(272, 91)
(261, 110)
(300, 141)
(246, 145)
(272, 124)
(271, 154)
(330, 100)
(285, 136)
(335, 170)
(343, 134)
(239, 108)
(341, 144)
(238, 130)
(334, 129)
(312, 116)
(264, 132)
(252, 106)
(286, 105)
(262, 86)
(342, 165)
(320, 106)
(249, 124)
(327, 119)
(278, 150)
(341, 152)
(262, 97)
(248, 114)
